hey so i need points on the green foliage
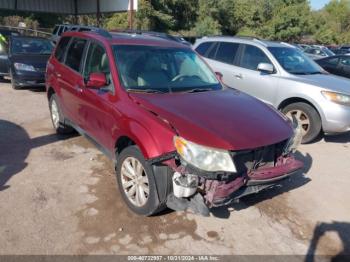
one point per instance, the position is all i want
(286, 20)
(117, 21)
(207, 26)
(290, 21)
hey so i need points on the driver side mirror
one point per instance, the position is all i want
(96, 80)
(266, 68)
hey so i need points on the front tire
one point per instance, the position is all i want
(307, 117)
(137, 183)
(57, 117)
(13, 82)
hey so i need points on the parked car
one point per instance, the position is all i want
(4, 61)
(28, 57)
(284, 77)
(340, 51)
(338, 65)
(178, 136)
(60, 29)
(317, 52)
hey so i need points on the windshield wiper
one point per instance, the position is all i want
(195, 90)
(136, 90)
(307, 73)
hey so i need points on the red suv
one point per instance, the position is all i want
(178, 136)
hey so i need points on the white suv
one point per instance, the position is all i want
(282, 76)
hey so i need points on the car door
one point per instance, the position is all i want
(262, 85)
(221, 58)
(344, 66)
(70, 79)
(97, 109)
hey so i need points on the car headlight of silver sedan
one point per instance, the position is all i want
(339, 98)
(202, 157)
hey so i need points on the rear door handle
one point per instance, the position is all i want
(58, 75)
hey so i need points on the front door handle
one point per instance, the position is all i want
(238, 76)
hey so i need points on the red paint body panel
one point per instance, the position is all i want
(221, 119)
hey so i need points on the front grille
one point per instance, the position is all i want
(247, 160)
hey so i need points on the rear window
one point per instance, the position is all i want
(75, 54)
(61, 47)
(203, 48)
(226, 52)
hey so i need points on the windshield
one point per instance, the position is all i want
(31, 46)
(157, 69)
(294, 61)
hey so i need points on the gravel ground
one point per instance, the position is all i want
(58, 196)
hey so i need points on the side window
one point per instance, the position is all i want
(345, 61)
(252, 57)
(212, 51)
(332, 61)
(203, 48)
(61, 47)
(97, 61)
(226, 52)
(75, 54)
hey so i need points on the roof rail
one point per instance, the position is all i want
(102, 32)
(247, 37)
(166, 36)
(97, 30)
(287, 44)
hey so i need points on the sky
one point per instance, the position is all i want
(318, 4)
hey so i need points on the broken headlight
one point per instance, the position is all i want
(202, 157)
(295, 140)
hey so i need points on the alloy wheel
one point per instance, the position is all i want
(302, 118)
(135, 181)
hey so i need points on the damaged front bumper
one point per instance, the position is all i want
(218, 193)
(215, 189)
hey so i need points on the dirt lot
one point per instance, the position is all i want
(58, 196)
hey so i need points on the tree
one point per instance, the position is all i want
(291, 20)
(207, 19)
(117, 21)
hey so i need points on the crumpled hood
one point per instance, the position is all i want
(225, 119)
(327, 81)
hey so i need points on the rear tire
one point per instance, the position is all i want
(308, 117)
(57, 117)
(141, 191)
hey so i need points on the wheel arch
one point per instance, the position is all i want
(50, 92)
(296, 99)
